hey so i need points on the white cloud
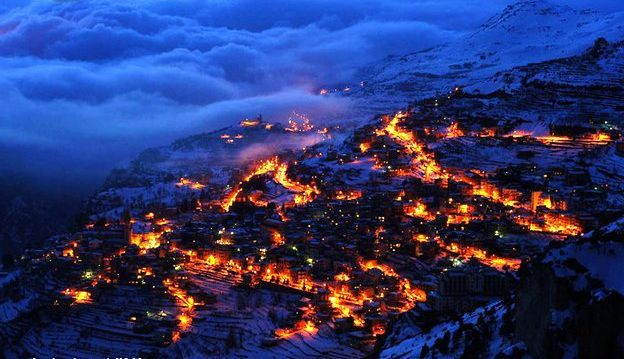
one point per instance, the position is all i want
(121, 76)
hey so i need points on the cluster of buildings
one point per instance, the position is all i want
(384, 224)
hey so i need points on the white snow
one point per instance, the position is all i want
(603, 260)
(525, 32)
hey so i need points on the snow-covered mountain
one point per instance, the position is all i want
(526, 32)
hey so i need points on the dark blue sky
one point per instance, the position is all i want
(87, 84)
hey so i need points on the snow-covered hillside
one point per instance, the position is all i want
(525, 32)
(166, 175)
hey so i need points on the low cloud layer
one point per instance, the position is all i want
(86, 84)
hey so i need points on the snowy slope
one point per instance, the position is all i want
(603, 261)
(413, 347)
(525, 32)
(208, 159)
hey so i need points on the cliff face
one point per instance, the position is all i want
(564, 306)
(536, 300)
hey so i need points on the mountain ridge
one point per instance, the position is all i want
(525, 32)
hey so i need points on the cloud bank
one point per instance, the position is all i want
(86, 84)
